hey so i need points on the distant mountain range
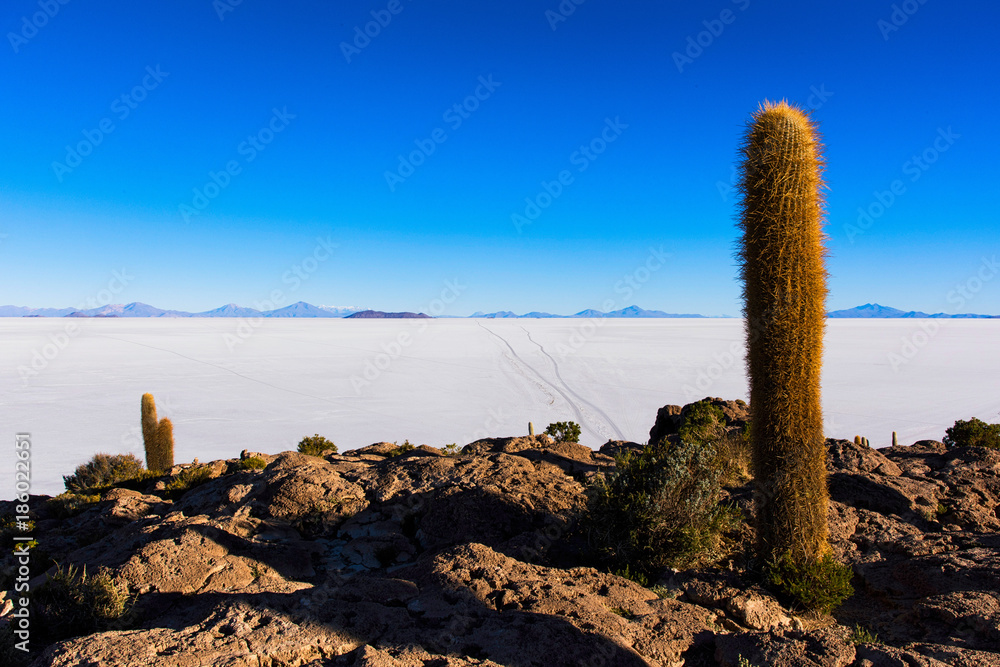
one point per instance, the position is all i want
(303, 309)
(137, 309)
(874, 310)
(630, 312)
(379, 315)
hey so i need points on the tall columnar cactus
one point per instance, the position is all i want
(784, 289)
(157, 437)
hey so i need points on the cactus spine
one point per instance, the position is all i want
(781, 258)
(157, 437)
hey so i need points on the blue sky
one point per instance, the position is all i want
(221, 145)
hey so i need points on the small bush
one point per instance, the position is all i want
(71, 604)
(451, 450)
(402, 449)
(861, 635)
(253, 463)
(316, 445)
(817, 586)
(67, 505)
(103, 471)
(973, 433)
(632, 575)
(186, 480)
(706, 423)
(660, 507)
(564, 431)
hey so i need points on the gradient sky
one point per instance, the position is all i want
(881, 95)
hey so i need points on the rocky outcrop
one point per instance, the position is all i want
(376, 557)
(670, 417)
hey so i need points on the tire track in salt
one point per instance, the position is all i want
(555, 366)
(541, 382)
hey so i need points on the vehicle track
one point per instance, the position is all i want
(583, 417)
(555, 366)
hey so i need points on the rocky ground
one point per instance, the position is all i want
(422, 559)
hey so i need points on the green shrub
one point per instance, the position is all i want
(187, 479)
(564, 431)
(632, 575)
(103, 471)
(451, 450)
(71, 604)
(253, 463)
(973, 433)
(706, 423)
(402, 449)
(316, 445)
(861, 635)
(659, 508)
(67, 505)
(815, 585)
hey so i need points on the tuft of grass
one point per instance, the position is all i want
(72, 603)
(104, 471)
(315, 445)
(187, 480)
(253, 463)
(67, 505)
(624, 613)
(862, 635)
(814, 585)
(451, 450)
(633, 575)
(663, 592)
(401, 449)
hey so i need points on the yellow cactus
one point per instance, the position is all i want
(157, 437)
(782, 256)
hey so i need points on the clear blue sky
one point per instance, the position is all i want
(881, 95)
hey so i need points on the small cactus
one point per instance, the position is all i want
(857, 440)
(895, 440)
(157, 437)
(531, 430)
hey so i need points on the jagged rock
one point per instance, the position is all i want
(670, 417)
(362, 559)
(827, 647)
